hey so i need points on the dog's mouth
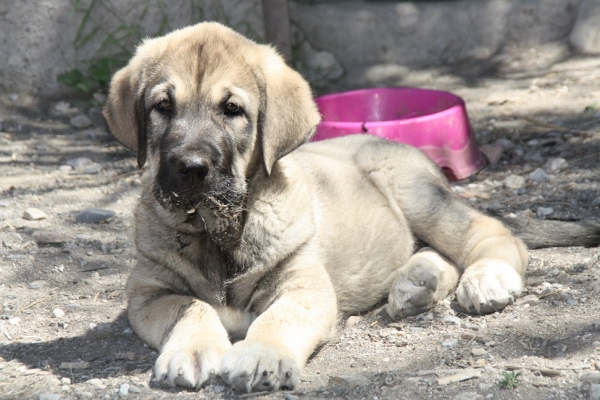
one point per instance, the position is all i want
(218, 211)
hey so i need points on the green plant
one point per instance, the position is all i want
(510, 379)
(591, 107)
(110, 37)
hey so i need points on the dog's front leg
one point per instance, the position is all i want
(186, 331)
(299, 317)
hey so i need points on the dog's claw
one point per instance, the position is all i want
(253, 366)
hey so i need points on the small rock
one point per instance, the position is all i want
(471, 326)
(58, 313)
(49, 396)
(572, 301)
(468, 396)
(99, 97)
(553, 272)
(95, 275)
(291, 397)
(505, 143)
(130, 355)
(13, 96)
(79, 162)
(97, 383)
(65, 168)
(592, 377)
(534, 156)
(14, 320)
(556, 165)
(65, 381)
(478, 351)
(64, 107)
(33, 214)
(352, 321)
(544, 211)
(74, 365)
(3, 203)
(450, 343)
(80, 121)
(93, 215)
(350, 381)
(219, 388)
(595, 392)
(492, 152)
(48, 238)
(462, 376)
(514, 182)
(35, 285)
(539, 175)
(92, 169)
(103, 327)
(127, 331)
(530, 299)
(134, 389)
(451, 319)
(124, 390)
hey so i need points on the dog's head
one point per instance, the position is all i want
(206, 108)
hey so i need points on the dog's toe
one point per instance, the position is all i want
(252, 366)
(488, 287)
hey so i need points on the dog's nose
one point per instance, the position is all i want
(193, 168)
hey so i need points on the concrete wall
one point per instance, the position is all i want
(352, 42)
(374, 38)
(37, 37)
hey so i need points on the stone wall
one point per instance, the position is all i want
(40, 39)
(353, 42)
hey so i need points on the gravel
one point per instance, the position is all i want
(79, 266)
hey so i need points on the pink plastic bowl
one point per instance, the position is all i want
(434, 121)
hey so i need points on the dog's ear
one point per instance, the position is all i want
(288, 114)
(125, 112)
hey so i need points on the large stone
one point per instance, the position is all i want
(33, 214)
(585, 36)
(349, 381)
(514, 182)
(48, 238)
(93, 215)
(81, 121)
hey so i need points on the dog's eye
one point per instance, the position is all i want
(232, 109)
(164, 105)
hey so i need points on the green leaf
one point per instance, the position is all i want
(75, 79)
(101, 70)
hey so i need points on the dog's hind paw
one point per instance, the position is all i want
(252, 366)
(425, 279)
(488, 286)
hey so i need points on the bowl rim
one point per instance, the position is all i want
(460, 105)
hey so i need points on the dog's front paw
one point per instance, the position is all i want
(254, 366)
(190, 364)
(488, 286)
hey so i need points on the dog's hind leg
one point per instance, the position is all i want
(425, 279)
(491, 258)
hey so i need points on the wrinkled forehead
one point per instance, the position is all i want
(208, 67)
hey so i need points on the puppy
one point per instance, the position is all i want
(247, 234)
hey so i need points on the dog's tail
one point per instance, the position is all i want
(537, 233)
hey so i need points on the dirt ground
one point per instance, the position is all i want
(63, 332)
